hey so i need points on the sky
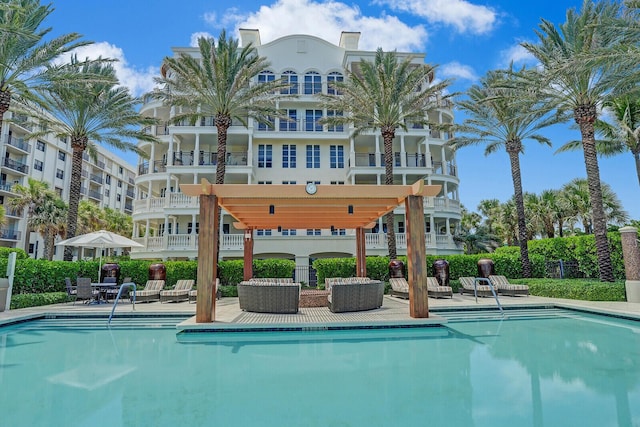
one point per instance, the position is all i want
(463, 38)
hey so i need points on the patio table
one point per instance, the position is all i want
(102, 291)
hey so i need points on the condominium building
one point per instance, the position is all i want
(294, 151)
(108, 181)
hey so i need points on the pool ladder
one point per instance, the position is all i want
(493, 291)
(124, 286)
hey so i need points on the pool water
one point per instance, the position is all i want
(566, 369)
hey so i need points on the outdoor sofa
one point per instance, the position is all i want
(354, 294)
(269, 296)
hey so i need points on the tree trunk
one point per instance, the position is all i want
(388, 133)
(78, 145)
(513, 148)
(5, 101)
(636, 157)
(585, 116)
(222, 122)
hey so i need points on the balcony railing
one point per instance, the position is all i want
(96, 178)
(18, 143)
(95, 195)
(16, 165)
(6, 187)
(9, 234)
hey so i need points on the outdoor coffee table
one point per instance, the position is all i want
(313, 298)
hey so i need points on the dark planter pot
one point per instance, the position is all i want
(485, 267)
(110, 270)
(157, 272)
(441, 271)
(396, 268)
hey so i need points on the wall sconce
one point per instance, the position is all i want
(247, 235)
(272, 209)
(279, 229)
(350, 209)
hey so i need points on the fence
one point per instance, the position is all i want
(560, 269)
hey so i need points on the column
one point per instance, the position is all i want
(361, 261)
(416, 258)
(207, 259)
(403, 153)
(631, 255)
(248, 254)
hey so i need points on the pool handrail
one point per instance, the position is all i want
(123, 286)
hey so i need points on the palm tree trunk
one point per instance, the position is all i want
(636, 157)
(222, 122)
(5, 101)
(387, 135)
(584, 117)
(513, 148)
(78, 145)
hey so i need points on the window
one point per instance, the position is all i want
(120, 170)
(37, 165)
(62, 155)
(311, 121)
(313, 231)
(332, 78)
(59, 191)
(261, 232)
(40, 145)
(266, 76)
(190, 227)
(119, 184)
(31, 247)
(338, 231)
(269, 125)
(292, 78)
(313, 156)
(292, 123)
(289, 232)
(401, 227)
(337, 182)
(289, 156)
(289, 182)
(107, 180)
(225, 228)
(118, 197)
(336, 155)
(265, 156)
(335, 128)
(106, 192)
(312, 83)
(59, 173)
(264, 182)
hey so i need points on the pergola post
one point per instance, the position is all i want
(207, 259)
(416, 257)
(248, 254)
(361, 255)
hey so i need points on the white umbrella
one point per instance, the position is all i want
(100, 239)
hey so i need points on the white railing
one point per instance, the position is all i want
(180, 200)
(232, 241)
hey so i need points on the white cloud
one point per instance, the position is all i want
(139, 81)
(327, 19)
(462, 15)
(518, 55)
(196, 36)
(458, 71)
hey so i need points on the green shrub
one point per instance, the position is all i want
(273, 268)
(36, 300)
(578, 289)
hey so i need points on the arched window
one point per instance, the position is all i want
(312, 83)
(331, 78)
(292, 78)
(266, 76)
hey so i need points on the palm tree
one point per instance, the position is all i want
(29, 197)
(622, 135)
(24, 52)
(90, 110)
(118, 222)
(579, 71)
(490, 209)
(49, 218)
(219, 83)
(387, 93)
(90, 217)
(576, 193)
(500, 116)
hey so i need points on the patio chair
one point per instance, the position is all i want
(113, 293)
(399, 287)
(180, 291)
(502, 285)
(269, 297)
(151, 291)
(466, 287)
(72, 290)
(345, 296)
(435, 290)
(84, 290)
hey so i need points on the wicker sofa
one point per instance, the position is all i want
(355, 295)
(269, 296)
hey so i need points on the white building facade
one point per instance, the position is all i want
(109, 181)
(294, 151)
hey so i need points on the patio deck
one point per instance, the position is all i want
(393, 310)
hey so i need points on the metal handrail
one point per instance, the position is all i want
(123, 286)
(493, 291)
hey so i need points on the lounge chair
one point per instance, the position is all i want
(435, 290)
(180, 292)
(502, 285)
(358, 296)
(151, 291)
(466, 287)
(193, 293)
(399, 287)
(72, 291)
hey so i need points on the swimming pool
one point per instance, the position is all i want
(563, 368)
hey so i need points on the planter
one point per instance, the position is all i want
(632, 288)
(110, 270)
(441, 271)
(485, 267)
(396, 268)
(157, 272)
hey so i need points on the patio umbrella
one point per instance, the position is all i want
(102, 240)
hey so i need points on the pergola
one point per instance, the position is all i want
(296, 206)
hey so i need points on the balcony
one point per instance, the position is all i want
(18, 143)
(96, 178)
(16, 165)
(95, 195)
(130, 193)
(4, 186)
(158, 204)
(412, 160)
(9, 234)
